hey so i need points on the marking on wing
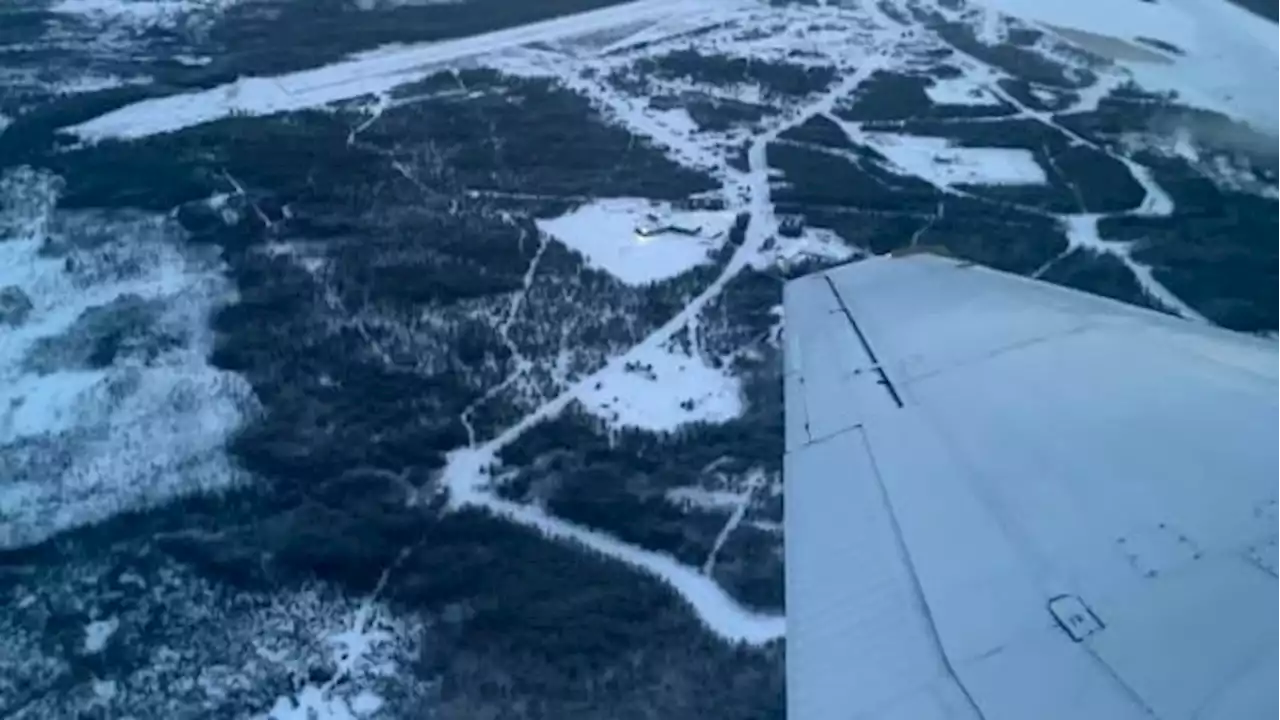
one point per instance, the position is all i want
(1153, 550)
(1075, 617)
(1265, 556)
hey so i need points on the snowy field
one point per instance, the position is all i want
(105, 388)
(662, 390)
(814, 243)
(608, 233)
(963, 90)
(943, 164)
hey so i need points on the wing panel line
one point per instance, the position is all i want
(917, 589)
(884, 378)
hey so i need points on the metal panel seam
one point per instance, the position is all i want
(916, 588)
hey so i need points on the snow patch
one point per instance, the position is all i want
(959, 91)
(640, 241)
(698, 497)
(100, 414)
(98, 633)
(360, 655)
(814, 243)
(1231, 54)
(661, 390)
(95, 83)
(192, 60)
(944, 164)
(104, 689)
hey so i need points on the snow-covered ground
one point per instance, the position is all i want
(82, 438)
(609, 234)
(962, 90)
(361, 650)
(944, 164)
(1230, 55)
(814, 243)
(661, 390)
(98, 633)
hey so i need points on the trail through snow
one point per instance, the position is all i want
(466, 474)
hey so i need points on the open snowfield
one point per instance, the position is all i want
(608, 234)
(944, 164)
(963, 90)
(661, 390)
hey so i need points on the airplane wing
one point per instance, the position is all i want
(1009, 499)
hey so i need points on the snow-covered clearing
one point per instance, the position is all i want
(661, 390)
(610, 234)
(82, 439)
(814, 243)
(945, 165)
(370, 73)
(963, 90)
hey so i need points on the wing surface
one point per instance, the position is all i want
(1009, 499)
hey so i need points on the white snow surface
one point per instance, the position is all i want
(961, 90)
(648, 391)
(814, 243)
(362, 652)
(1231, 54)
(79, 444)
(98, 633)
(945, 165)
(605, 232)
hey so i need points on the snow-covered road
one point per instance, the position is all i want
(368, 73)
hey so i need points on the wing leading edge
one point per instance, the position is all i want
(1008, 499)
